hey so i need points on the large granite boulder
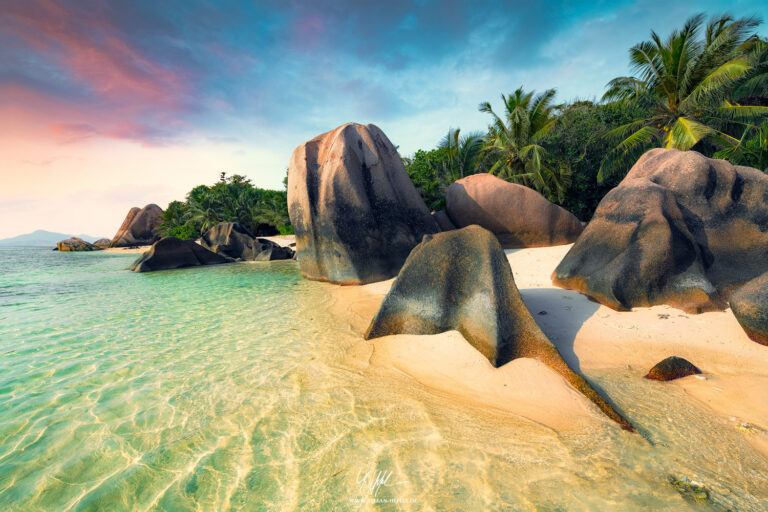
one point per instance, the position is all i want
(102, 243)
(233, 240)
(75, 244)
(461, 280)
(750, 307)
(519, 216)
(139, 227)
(680, 229)
(353, 207)
(171, 252)
(443, 221)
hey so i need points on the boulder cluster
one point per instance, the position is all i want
(76, 244)
(140, 227)
(680, 229)
(171, 253)
(224, 243)
(233, 240)
(461, 280)
(358, 219)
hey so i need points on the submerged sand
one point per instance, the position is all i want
(590, 336)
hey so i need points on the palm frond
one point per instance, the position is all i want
(626, 153)
(685, 133)
(716, 81)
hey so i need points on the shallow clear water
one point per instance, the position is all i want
(228, 388)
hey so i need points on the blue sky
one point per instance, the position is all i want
(177, 91)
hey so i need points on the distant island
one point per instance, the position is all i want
(41, 238)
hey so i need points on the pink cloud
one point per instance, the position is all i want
(130, 87)
(93, 51)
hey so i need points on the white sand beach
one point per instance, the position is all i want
(734, 384)
(127, 250)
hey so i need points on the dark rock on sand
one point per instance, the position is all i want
(75, 244)
(461, 280)
(680, 229)
(171, 252)
(102, 243)
(672, 368)
(233, 240)
(353, 207)
(442, 220)
(139, 227)
(750, 307)
(519, 216)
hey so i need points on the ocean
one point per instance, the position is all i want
(232, 388)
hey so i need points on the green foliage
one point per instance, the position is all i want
(689, 80)
(515, 143)
(705, 87)
(461, 154)
(752, 149)
(576, 137)
(426, 170)
(231, 199)
(433, 171)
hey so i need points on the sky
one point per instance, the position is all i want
(109, 105)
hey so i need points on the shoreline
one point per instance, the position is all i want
(590, 336)
(126, 250)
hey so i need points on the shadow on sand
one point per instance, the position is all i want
(560, 314)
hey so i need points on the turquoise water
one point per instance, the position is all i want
(231, 388)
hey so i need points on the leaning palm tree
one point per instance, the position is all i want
(687, 81)
(463, 152)
(514, 143)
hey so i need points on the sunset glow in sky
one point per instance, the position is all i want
(109, 105)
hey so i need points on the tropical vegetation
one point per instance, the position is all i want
(702, 88)
(689, 83)
(231, 199)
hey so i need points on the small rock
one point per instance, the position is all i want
(691, 491)
(672, 368)
(749, 428)
(542, 312)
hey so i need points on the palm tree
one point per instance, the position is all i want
(462, 153)
(205, 216)
(752, 149)
(268, 211)
(514, 143)
(687, 82)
